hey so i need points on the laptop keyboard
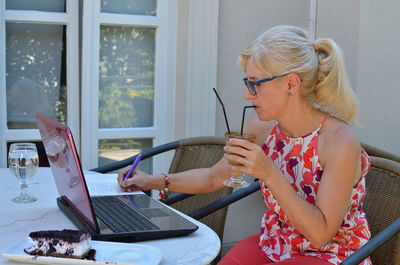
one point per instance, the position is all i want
(120, 217)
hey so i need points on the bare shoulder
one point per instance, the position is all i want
(337, 139)
(258, 127)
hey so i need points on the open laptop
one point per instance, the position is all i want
(130, 218)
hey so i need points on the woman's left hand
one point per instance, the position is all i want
(251, 158)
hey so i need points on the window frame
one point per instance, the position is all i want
(200, 74)
(164, 90)
(70, 19)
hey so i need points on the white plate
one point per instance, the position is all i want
(106, 253)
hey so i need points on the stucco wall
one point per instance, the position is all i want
(378, 75)
(181, 70)
(368, 33)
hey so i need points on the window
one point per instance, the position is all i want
(110, 84)
(37, 40)
(35, 57)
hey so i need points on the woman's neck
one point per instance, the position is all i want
(301, 122)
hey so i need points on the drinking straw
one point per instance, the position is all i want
(223, 108)
(244, 111)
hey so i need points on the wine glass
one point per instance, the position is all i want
(23, 161)
(236, 180)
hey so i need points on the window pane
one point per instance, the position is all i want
(35, 73)
(118, 149)
(131, 7)
(38, 5)
(126, 92)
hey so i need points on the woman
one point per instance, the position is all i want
(308, 159)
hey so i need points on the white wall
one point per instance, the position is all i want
(181, 69)
(378, 73)
(368, 33)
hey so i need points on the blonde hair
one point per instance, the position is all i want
(319, 64)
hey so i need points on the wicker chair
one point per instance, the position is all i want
(375, 151)
(382, 207)
(381, 204)
(190, 153)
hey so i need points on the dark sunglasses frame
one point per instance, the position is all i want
(251, 84)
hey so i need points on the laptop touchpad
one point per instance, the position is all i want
(153, 212)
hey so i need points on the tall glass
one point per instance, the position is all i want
(236, 180)
(23, 162)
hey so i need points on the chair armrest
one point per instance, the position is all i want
(145, 154)
(373, 244)
(225, 201)
(176, 197)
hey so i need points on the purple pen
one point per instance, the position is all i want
(134, 165)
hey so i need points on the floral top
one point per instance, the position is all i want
(299, 162)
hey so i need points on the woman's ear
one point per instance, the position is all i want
(294, 83)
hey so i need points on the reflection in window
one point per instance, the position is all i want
(38, 5)
(130, 7)
(126, 92)
(112, 150)
(35, 73)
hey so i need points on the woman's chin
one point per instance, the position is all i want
(263, 117)
(259, 112)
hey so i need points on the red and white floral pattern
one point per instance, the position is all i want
(298, 160)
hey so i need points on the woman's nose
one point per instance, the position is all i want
(247, 95)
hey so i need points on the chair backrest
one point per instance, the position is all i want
(201, 152)
(376, 151)
(382, 206)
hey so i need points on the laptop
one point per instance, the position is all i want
(123, 218)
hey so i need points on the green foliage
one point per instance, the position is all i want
(126, 75)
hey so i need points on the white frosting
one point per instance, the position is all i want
(63, 247)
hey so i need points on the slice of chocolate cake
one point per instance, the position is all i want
(60, 243)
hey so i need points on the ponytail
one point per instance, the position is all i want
(332, 90)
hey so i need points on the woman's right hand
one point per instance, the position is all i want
(137, 181)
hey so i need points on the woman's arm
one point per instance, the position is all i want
(193, 181)
(201, 180)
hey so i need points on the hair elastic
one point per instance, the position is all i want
(315, 46)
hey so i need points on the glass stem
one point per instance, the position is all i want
(24, 190)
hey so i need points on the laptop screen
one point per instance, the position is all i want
(65, 166)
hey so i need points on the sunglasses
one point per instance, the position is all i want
(251, 84)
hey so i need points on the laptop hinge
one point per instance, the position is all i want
(71, 214)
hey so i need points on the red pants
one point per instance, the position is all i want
(247, 252)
